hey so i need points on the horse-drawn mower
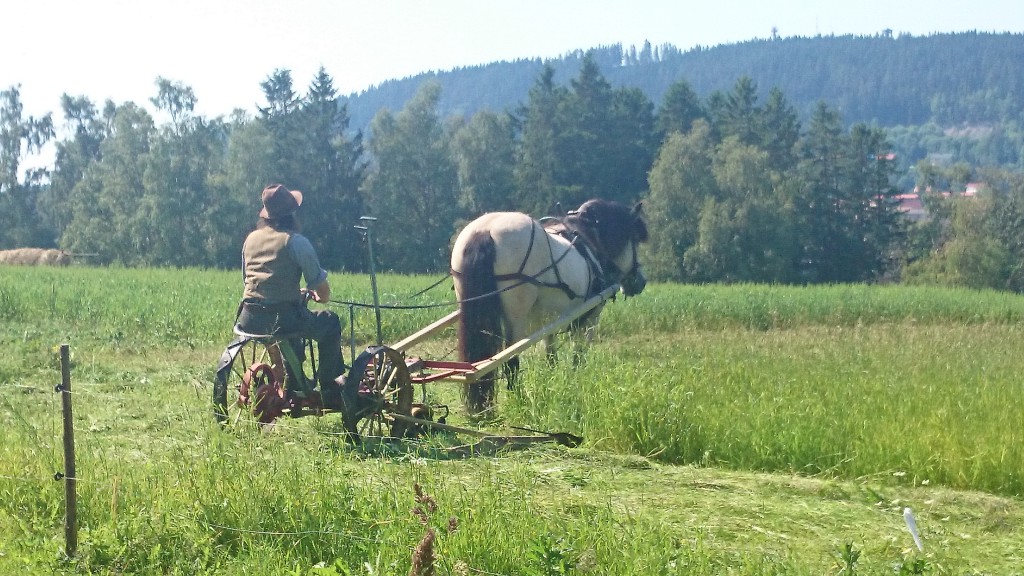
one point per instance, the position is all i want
(256, 380)
(264, 377)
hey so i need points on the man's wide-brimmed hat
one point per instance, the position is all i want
(279, 201)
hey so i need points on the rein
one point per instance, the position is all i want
(352, 304)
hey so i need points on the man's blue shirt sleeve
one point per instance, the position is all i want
(303, 252)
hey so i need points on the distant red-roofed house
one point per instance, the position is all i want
(911, 206)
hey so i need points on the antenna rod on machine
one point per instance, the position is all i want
(368, 220)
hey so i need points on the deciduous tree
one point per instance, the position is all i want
(19, 223)
(746, 234)
(680, 183)
(178, 189)
(87, 129)
(413, 192)
(484, 152)
(107, 203)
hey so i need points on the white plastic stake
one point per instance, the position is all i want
(908, 517)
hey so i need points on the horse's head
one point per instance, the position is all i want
(617, 230)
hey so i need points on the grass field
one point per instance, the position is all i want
(728, 430)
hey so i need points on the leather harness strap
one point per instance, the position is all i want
(577, 240)
(520, 275)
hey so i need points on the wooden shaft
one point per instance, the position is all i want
(487, 366)
(425, 333)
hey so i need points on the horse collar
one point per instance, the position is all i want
(587, 247)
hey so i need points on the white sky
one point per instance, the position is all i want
(223, 49)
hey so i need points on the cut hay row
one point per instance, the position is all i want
(35, 257)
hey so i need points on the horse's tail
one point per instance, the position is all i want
(480, 329)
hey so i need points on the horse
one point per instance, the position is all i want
(514, 274)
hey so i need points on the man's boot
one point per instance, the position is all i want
(332, 393)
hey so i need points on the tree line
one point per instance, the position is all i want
(956, 94)
(735, 189)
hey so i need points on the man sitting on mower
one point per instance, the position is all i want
(275, 258)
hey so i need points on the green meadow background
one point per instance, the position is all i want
(742, 429)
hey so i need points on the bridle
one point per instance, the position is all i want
(634, 269)
(599, 258)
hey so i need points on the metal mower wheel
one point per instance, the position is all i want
(249, 384)
(384, 387)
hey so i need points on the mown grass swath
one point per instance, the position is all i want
(858, 400)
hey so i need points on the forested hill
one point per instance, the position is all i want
(887, 80)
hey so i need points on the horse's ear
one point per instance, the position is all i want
(639, 226)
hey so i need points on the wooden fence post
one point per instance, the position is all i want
(70, 495)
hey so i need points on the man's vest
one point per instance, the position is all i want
(272, 275)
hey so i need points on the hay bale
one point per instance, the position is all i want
(35, 257)
(22, 256)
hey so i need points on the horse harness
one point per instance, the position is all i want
(577, 240)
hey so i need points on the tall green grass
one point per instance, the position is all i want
(196, 305)
(674, 308)
(932, 405)
(189, 308)
(844, 380)
(890, 389)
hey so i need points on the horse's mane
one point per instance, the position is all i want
(606, 224)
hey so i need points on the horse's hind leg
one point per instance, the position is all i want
(516, 304)
(511, 369)
(511, 366)
(551, 349)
